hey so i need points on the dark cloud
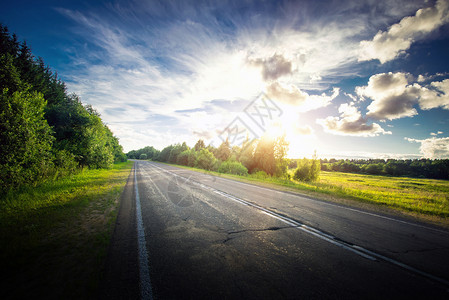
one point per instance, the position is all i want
(393, 97)
(273, 67)
(290, 95)
(394, 107)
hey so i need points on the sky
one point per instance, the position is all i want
(344, 79)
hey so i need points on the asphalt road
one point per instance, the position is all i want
(208, 237)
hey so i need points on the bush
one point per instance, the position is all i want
(233, 167)
(25, 138)
(65, 163)
(308, 170)
(205, 160)
(143, 156)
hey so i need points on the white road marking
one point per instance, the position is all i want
(398, 263)
(145, 284)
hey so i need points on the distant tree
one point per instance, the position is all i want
(235, 152)
(143, 156)
(175, 151)
(199, 145)
(165, 154)
(374, 169)
(223, 152)
(132, 154)
(191, 160)
(117, 149)
(246, 156)
(183, 158)
(270, 153)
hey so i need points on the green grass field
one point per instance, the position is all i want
(54, 237)
(425, 196)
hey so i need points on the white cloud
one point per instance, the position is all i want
(301, 100)
(436, 133)
(434, 148)
(387, 45)
(351, 123)
(392, 97)
(436, 96)
(421, 78)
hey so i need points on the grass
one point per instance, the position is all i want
(54, 237)
(425, 199)
(424, 196)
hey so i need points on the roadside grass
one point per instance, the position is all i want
(425, 199)
(54, 236)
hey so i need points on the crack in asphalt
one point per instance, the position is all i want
(272, 228)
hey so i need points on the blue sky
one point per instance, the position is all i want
(346, 78)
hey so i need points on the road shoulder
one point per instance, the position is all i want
(121, 277)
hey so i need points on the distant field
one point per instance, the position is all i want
(426, 196)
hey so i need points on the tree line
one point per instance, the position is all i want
(418, 168)
(265, 155)
(260, 157)
(45, 132)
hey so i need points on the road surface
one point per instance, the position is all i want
(201, 236)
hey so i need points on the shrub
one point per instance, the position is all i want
(25, 138)
(205, 160)
(260, 175)
(233, 167)
(308, 170)
(143, 156)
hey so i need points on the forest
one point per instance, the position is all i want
(45, 132)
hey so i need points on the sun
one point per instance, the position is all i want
(275, 130)
(300, 136)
